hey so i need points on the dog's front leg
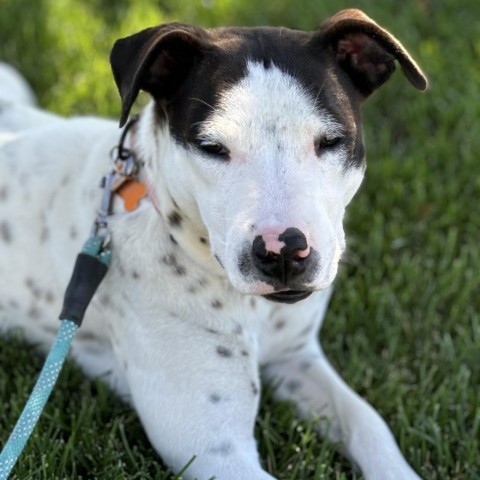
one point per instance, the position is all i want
(319, 393)
(197, 391)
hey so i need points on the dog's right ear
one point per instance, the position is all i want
(156, 60)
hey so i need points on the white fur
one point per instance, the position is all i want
(14, 87)
(185, 349)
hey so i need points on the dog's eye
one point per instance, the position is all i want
(324, 144)
(213, 149)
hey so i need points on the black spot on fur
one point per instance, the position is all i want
(105, 300)
(199, 284)
(212, 331)
(293, 386)
(214, 398)
(34, 313)
(5, 232)
(44, 234)
(280, 325)
(295, 348)
(254, 388)
(121, 270)
(179, 270)
(224, 352)
(217, 304)
(172, 239)
(85, 336)
(36, 291)
(306, 330)
(203, 240)
(175, 219)
(135, 275)
(13, 303)
(49, 298)
(224, 448)
(237, 330)
(304, 366)
(73, 232)
(245, 353)
(217, 258)
(171, 261)
(3, 193)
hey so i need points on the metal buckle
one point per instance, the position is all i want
(125, 167)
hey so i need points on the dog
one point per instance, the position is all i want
(250, 150)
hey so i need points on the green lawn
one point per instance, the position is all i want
(404, 323)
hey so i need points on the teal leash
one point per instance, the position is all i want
(95, 254)
(90, 269)
(38, 398)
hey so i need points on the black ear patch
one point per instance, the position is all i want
(368, 64)
(156, 60)
(367, 52)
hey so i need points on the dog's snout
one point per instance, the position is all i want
(282, 257)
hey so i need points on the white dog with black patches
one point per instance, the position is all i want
(250, 152)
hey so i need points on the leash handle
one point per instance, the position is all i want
(90, 269)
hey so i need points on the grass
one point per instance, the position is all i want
(404, 323)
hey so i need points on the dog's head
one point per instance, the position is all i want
(267, 136)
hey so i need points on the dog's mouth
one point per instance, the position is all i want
(287, 296)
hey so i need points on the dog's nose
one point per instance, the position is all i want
(282, 257)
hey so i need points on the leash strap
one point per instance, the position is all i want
(90, 268)
(38, 398)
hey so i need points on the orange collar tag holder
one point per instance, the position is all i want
(131, 193)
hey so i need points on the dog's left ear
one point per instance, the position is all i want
(156, 60)
(367, 52)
